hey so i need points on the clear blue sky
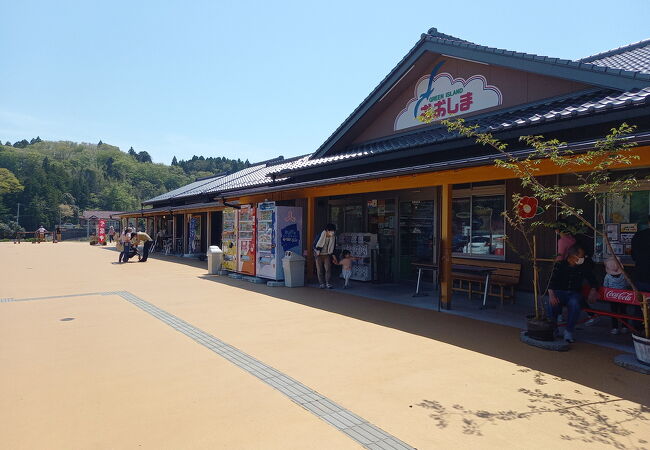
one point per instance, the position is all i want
(252, 80)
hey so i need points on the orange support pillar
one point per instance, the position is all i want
(311, 217)
(447, 236)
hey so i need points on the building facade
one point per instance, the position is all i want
(428, 194)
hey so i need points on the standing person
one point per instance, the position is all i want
(565, 242)
(40, 234)
(125, 240)
(160, 239)
(641, 257)
(614, 279)
(111, 234)
(141, 236)
(57, 232)
(565, 288)
(323, 252)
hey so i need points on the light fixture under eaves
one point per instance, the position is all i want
(468, 60)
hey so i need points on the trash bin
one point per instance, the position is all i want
(215, 258)
(294, 269)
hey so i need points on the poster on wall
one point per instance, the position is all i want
(612, 230)
(442, 96)
(629, 228)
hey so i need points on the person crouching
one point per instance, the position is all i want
(137, 238)
(565, 288)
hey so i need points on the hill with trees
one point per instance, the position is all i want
(54, 181)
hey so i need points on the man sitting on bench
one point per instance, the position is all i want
(565, 288)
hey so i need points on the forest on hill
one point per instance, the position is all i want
(54, 181)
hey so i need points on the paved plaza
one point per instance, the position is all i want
(160, 355)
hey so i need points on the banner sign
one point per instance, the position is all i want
(193, 227)
(620, 296)
(101, 230)
(447, 97)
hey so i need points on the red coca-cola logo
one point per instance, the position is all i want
(624, 296)
(620, 296)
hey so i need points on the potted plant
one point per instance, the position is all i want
(593, 174)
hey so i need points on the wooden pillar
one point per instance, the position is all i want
(174, 234)
(208, 229)
(155, 227)
(186, 218)
(311, 218)
(446, 235)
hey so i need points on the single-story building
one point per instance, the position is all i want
(430, 195)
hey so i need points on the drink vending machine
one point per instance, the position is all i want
(246, 240)
(229, 239)
(279, 229)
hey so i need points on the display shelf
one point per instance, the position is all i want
(360, 245)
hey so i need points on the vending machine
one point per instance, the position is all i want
(246, 240)
(279, 229)
(229, 239)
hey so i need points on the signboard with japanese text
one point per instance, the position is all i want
(445, 96)
(101, 231)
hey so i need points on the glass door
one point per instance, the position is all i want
(416, 233)
(382, 220)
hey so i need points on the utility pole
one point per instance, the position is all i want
(18, 215)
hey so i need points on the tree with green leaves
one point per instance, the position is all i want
(144, 157)
(9, 184)
(594, 172)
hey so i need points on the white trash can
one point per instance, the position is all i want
(215, 258)
(294, 269)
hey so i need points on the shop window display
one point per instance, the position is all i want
(478, 226)
(620, 216)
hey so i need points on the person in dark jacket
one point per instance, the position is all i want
(641, 257)
(565, 288)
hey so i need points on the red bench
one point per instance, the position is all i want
(618, 296)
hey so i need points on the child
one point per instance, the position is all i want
(346, 266)
(615, 280)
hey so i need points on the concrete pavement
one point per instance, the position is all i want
(117, 377)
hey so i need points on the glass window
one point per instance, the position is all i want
(478, 226)
(624, 215)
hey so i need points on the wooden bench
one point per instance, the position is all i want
(502, 281)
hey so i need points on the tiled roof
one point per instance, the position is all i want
(585, 71)
(581, 64)
(566, 107)
(215, 185)
(635, 57)
(256, 175)
(179, 191)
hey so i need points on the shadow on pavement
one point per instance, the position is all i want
(586, 364)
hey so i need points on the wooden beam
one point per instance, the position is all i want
(446, 241)
(174, 234)
(208, 230)
(185, 232)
